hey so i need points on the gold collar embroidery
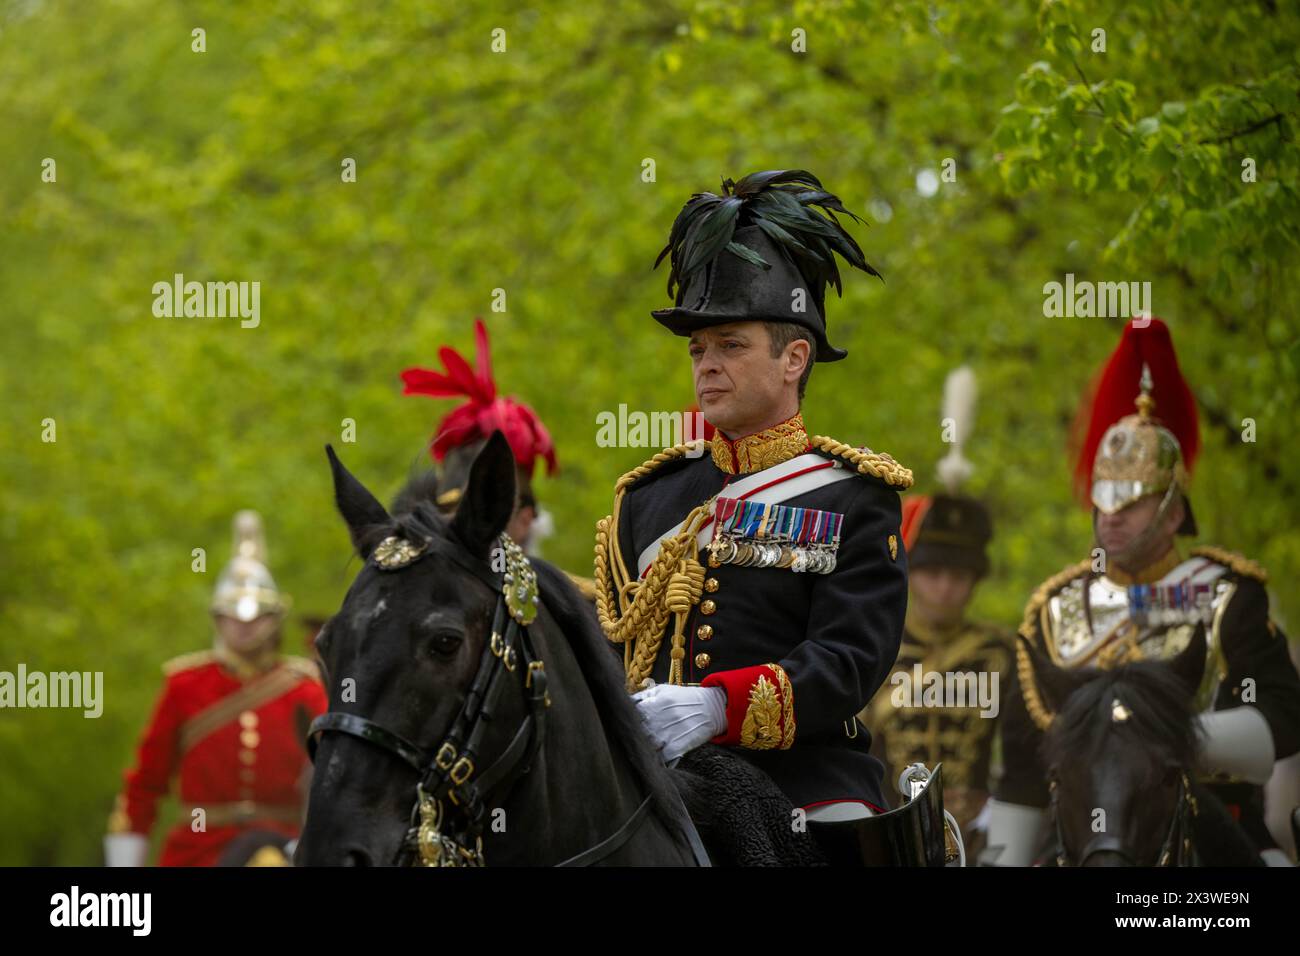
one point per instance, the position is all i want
(762, 449)
(1150, 574)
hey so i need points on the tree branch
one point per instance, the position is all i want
(1252, 128)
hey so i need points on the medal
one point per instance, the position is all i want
(765, 535)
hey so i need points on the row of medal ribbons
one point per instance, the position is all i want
(764, 535)
(1183, 603)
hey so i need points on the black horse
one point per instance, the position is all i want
(457, 735)
(1121, 754)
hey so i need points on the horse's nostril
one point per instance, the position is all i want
(357, 857)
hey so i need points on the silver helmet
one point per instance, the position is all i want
(245, 590)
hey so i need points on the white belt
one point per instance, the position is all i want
(839, 812)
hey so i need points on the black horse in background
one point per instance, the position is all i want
(1124, 742)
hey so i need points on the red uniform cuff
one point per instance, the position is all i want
(760, 707)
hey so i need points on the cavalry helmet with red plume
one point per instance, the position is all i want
(1126, 455)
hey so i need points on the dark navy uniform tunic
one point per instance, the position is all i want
(833, 636)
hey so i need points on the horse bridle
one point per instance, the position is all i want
(1176, 850)
(453, 795)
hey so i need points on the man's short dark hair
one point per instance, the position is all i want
(781, 335)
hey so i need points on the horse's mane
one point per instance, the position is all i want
(415, 497)
(1160, 716)
(600, 666)
(415, 517)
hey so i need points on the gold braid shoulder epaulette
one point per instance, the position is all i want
(1038, 711)
(875, 464)
(661, 458)
(187, 662)
(1237, 562)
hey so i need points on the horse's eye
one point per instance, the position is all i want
(445, 643)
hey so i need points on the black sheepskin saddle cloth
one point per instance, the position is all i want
(742, 818)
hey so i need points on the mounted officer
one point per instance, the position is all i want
(756, 583)
(1143, 598)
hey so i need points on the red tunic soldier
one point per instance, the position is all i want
(224, 734)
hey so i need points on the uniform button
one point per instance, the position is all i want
(246, 775)
(702, 661)
(714, 562)
(249, 738)
(704, 632)
(708, 607)
(247, 757)
(710, 584)
(245, 793)
(248, 719)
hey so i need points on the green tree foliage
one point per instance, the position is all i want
(990, 148)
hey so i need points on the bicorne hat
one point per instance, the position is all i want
(759, 252)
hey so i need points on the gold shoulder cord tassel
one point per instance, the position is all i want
(635, 613)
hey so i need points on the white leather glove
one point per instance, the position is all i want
(1237, 741)
(679, 719)
(1015, 832)
(125, 849)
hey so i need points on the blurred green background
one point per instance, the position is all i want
(523, 170)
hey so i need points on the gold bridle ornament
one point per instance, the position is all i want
(435, 847)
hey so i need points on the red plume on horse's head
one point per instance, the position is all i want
(1115, 391)
(483, 412)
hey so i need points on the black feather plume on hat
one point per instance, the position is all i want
(780, 202)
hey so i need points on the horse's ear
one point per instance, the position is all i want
(489, 497)
(1188, 664)
(357, 506)
(1055, 683)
